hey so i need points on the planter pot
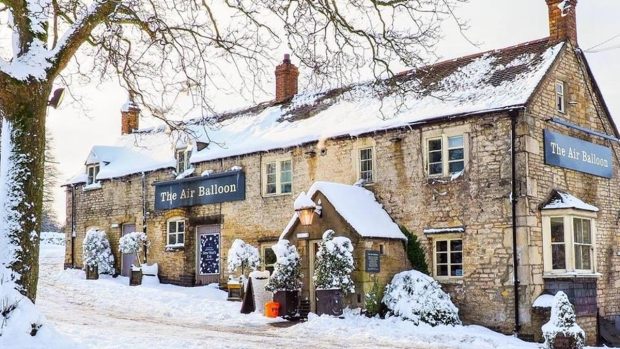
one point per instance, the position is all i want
(329, 302)
(289, 303)
(136, 278)
(564, 342)
(92, 273)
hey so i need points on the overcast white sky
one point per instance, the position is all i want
(493, 24)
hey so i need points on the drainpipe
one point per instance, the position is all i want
(144, 213)
(513, 198)
(73, 233)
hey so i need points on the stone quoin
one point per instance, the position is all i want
(505, 213)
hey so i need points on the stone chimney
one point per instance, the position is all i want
(130, 115)
(286, 80)
(562, 21)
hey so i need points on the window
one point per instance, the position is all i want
(449, 258)
(278, 177)
(568, 243)
(176, 232)
(92, 171)
(183, 156)
(559, 96)
(446, 155)
(268, 258)
(366, 165)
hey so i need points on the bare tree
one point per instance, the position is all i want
(159, 49)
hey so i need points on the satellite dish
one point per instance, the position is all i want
(57, 97)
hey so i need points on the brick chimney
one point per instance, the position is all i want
(130, 114)
(562, 21)
(286, 80)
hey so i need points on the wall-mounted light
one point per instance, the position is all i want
(306, 208)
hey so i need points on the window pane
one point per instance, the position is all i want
(271, 188)
(181, 238)
(455, 142)
(270, 256)
(558, 258)
(435, 168)
(172, 227)
(442, 270)
(442, 258)
(442, 246)
(557, 229)
(285, 177)
(456, 166)
(456, 270)
(286, 188)
(456, 245)
(434, 144)
(366, 154)
(586, 258)
(285, 165)
(434, 156)
(171, 239)
(271, 168)
(456, 257)
(181, 227)
(455, 154)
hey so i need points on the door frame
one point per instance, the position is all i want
(311, 260)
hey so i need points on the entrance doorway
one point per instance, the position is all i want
(312, 250)
(208, 261)
(127, 259)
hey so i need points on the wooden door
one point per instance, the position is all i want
(312, 250)
(208, 254)
(127, 259)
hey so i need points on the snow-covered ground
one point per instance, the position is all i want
(107, 313)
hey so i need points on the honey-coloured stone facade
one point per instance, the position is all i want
(479, 200)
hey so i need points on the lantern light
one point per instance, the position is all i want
(305, 208)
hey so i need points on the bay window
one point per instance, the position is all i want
(568, 242)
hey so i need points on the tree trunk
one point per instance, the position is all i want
(23, 107)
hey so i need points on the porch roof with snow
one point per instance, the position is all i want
(562, 200)
(464, 87)
(358, 207)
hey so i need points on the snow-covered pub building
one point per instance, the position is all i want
(505, 167)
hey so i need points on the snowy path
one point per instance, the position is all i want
(109, 314)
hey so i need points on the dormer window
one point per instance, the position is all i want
(182, 156)
(92, 171)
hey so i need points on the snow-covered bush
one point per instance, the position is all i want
(97, 252)
(334, 264)
(242, 255)
(417, 297)
(287, 270)
(133, 243)
(372, 301)
(562, 322)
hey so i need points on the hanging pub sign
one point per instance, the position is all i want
(209, 253)
(576, 154)
(204, 190)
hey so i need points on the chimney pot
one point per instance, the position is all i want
(562, 21)
(286, 80)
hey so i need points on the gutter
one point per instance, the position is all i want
(513, 198)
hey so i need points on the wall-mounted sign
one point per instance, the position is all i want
(209, 254)
(577, 154)
(373, 261)
(216, 188)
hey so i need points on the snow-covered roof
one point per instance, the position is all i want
(560, 200)
(491, 81)
(358, 207)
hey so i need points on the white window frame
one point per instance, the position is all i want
(568, 216)
(278, 173)
(92, 180)
(445, 152)
(372, 164)
(187, 153)
(176, 221)
(560, 96)
(448, 238)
